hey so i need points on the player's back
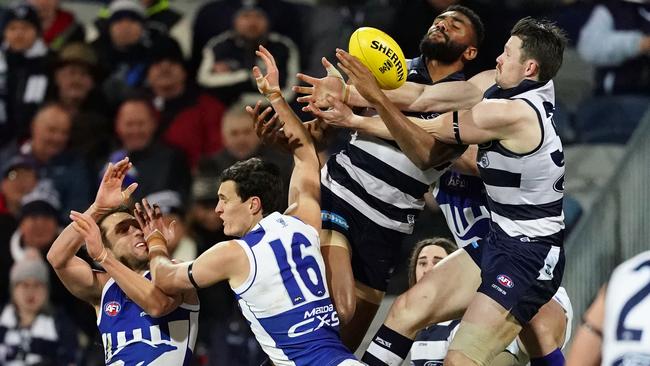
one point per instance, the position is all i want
(285, 297)
(626, 334)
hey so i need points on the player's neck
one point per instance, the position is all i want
(438, 70)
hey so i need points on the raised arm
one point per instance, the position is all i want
(77, 275)
(409, 97)
(304, 186)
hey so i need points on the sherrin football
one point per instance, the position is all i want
(381, 54)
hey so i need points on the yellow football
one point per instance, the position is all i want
(381, 54)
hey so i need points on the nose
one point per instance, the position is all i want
(428, 268)
(219, 209)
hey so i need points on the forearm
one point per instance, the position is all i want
(373, 126)
(403, 96)
(67, 244)
(412, 139)
(304, 152)
(139, 289)
(171, 278)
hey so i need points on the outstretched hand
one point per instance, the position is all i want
(269, 129)
(151, 221)
(359, 76)
(110, 194)
(332, 84)
(87, 227)
(338, 115)
(269, 84)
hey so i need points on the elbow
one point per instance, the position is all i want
(53, 259)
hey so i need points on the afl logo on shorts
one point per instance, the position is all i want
(505, 281)
(112, 308)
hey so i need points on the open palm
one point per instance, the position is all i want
(110, 194)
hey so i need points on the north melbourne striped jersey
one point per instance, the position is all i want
(132, 337)
(285, 297)
(626, 334)
(525, 191)
(375, 176)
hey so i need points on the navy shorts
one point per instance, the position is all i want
(374, 249)
(521, 277)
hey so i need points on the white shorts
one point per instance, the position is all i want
(351, 363)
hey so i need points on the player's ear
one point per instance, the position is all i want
(255, 205)
(531, 68)
(470, 53)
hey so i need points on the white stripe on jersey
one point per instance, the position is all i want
(395, 158)
(531, 228)
(383, 354)
(626, 333)
(264, 338)
(362, 206)
(378, 188)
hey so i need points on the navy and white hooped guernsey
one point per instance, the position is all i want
(285, 297)
(525, 191)
(131, 337)
(374, 176)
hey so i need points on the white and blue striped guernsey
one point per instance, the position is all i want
(374, 176)
(525, 191)
(285, 297)
(131, 337)
(626, 330)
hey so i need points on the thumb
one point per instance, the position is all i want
(172, 228)
(130, 189)
(257, 73)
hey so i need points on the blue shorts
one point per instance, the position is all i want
(374, 249)
(521, 277)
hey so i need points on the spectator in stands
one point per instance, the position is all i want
(24, 60)
(160, 18)
(32, 332)
(156, 166)
(204, 224)
(19, 177)
(616, 39)
(123, 51)
(190, 120)
(240, 143)
(59, 26)
(182, 247)
(229, 57)
(48, 148)
(216, 17)
(76, 75)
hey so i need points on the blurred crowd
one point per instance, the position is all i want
(75, 96)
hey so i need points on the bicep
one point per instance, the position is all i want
(483, 80)
(216, 264)
(443, 97)
(490, 120)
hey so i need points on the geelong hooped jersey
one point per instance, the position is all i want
(285, 297)
(626, 334)
(132, 338)
(525, 191)
(462, 200)
(375, 177)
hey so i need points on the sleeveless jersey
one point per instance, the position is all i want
(626, 333)
(525, 191)
(462, 200)
(131, 337)
(375, 177)
(285, 297)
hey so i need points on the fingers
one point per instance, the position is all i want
(148, 209)
(267, 60)
(307, 79)
(303, 89)
(108, 173)
(129, 190)
(139, 216)
(257, 73)
(81, 224)
(311, 107)
(331, 70)
(268, 55)
(347, 72)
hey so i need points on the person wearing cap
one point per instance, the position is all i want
(59, 26)
(229, 56)
(158, 329)
(123, 51)
(189, 118)
(19, 177)
(75, 80)
(24, 70)
(32, 331)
